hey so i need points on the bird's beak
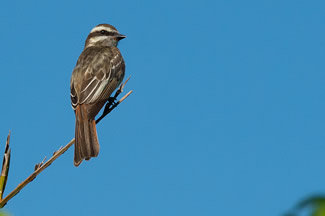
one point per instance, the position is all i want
(120, 36)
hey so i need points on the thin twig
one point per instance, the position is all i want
(40, 167)
(5, 167)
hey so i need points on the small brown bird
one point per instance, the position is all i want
(98, 72)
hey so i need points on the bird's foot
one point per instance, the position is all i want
(111, 101)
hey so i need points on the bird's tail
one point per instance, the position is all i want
(86, 141)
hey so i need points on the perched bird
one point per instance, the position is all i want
(98, 72)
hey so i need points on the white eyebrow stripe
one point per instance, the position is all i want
(99, 28)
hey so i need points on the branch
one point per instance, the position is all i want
(37, 171)
(42, 166)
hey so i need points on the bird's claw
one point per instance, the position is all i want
(111, 101)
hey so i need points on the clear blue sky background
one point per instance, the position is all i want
(227, 115)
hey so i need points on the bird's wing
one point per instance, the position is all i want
(96, 81)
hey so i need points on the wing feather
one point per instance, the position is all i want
(98, 73)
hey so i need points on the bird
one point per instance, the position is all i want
(98, 72)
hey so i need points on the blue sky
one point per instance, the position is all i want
(227, 115)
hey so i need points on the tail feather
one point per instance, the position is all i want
(86, 141)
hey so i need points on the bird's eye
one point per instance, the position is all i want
(102, 31)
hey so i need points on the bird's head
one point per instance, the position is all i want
(103, 35)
